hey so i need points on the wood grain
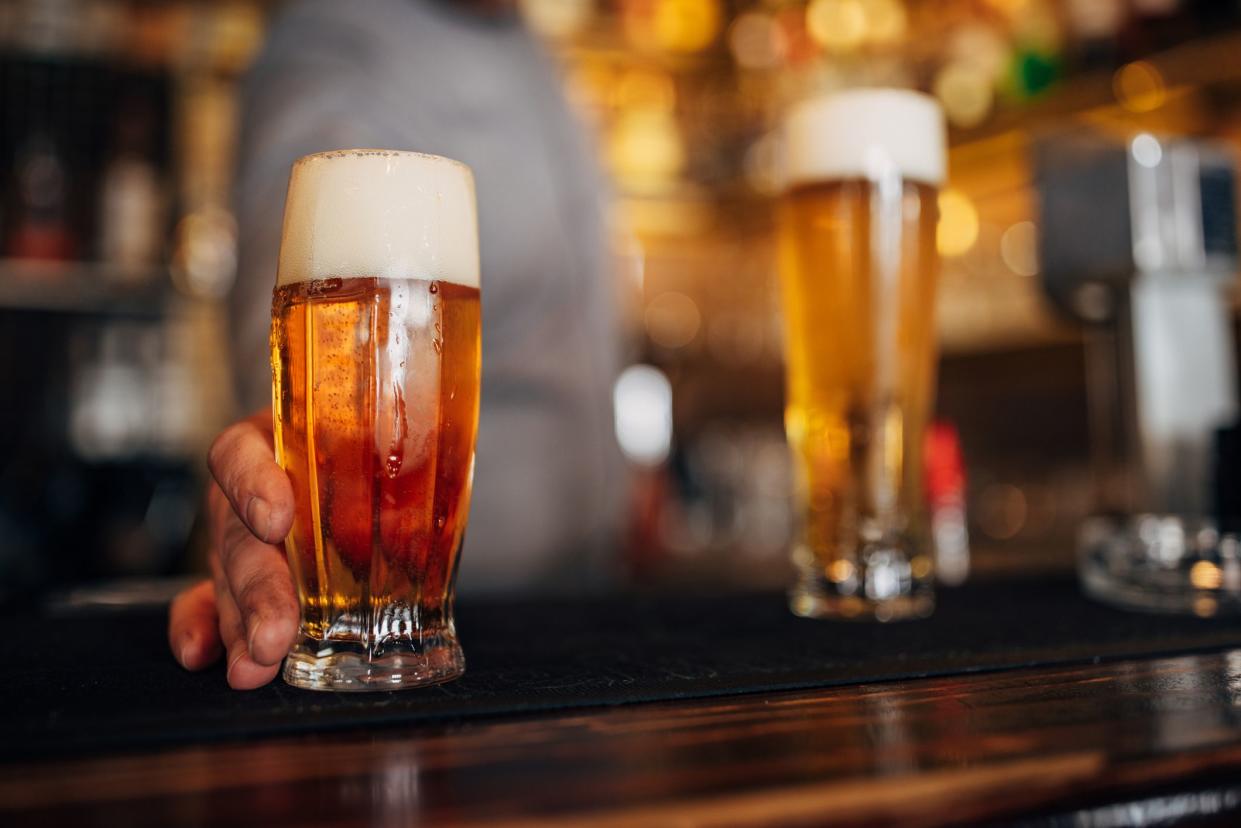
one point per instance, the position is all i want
(923, 753)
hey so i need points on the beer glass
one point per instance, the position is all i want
(375, 349)
(858, 267)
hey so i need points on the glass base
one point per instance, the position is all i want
(815, 604)
(331, 665)
(883, 583)
(1160, 563)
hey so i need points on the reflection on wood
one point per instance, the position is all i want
(930, 752)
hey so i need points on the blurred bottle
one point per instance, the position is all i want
(131, 198)
(40, 227)
(109, 410)
(945, 490)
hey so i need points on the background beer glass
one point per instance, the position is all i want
(858, 267)
(375, 362)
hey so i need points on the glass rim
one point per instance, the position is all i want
(377, 152)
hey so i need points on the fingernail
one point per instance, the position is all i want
(258, 515)
(254, 632)
(187, 648)
(233, 658)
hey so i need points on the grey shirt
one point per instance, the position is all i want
(423, 75)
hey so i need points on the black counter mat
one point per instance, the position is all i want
(101, 682)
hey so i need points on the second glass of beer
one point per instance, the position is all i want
(858, 266)
(375, 349)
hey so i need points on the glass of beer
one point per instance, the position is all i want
(375, 349)
(858, 267)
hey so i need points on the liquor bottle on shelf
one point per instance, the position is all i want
(39, 219)
(131, 198)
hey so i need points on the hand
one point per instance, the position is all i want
(248, 608)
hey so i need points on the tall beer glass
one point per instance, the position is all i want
(858, 267)
(375, 364)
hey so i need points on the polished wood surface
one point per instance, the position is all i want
(929, 752)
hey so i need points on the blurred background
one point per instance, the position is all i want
(117, 130)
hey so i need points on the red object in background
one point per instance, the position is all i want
(945, 495)
(945, 468)
(648, 500)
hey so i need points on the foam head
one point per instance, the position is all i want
(865, 133)
(379, 213)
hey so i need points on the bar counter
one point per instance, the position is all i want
(1017, 702)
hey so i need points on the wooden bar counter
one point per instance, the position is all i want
(1162, 736)
(1126, 739)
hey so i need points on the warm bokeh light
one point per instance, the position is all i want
(1205, 607)
(1095, 18)
(981, 46)
(840, 570)
(672, 320)
(757, 41)
(958, 223)
(1035, 25)
(673, 25)
(1205, 575)
(645, 89)
(645, 148)
(1139, 86)
(204, 257)
(920, 566)
(1008, 7)
(1019, 248)
(589, 84)
(838, 25)
(558, 19)
(1002, 511)
(886, 21)
(965, 92)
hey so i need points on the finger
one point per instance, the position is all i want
(193, 626)
(243, 463)
(258, 580)
(243, 672)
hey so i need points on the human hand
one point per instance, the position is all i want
(248, 608)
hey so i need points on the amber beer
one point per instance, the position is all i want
(375, 361)
(858, 267)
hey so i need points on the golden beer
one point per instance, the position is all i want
(858, 267)
(375, 389)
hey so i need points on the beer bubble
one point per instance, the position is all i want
(318, 287)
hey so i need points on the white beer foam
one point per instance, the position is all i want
(865, 133)
(380, 213)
